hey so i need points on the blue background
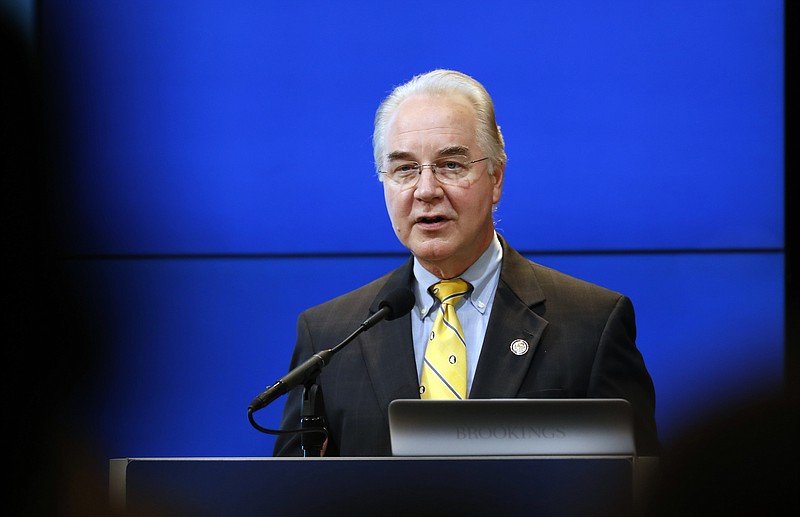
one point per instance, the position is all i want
(220, 164)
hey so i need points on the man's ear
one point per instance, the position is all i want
(497, 178)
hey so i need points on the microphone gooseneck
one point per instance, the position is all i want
(397, 304)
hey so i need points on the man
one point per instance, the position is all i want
(526, 331)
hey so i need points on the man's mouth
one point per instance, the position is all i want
(431, 220)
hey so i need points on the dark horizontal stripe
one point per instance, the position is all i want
(402, 255)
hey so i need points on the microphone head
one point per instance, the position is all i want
(399, 302)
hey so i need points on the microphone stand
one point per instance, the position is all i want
(313, 431)
(313, 422)
(307, 372)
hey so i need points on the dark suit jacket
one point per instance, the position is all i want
(582, 345)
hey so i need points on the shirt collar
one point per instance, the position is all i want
(480, 275)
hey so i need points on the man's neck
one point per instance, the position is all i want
(453, 267)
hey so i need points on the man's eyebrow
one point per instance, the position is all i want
(454, 150)
(399, 155)
(450, 150)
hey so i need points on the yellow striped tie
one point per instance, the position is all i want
(444, 370)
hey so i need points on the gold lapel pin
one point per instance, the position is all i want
(519, 347)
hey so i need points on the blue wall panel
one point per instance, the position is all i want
(230, 127)
(241, 130)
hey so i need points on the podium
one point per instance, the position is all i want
(508, 486)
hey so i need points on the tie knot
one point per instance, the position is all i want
(450, 291)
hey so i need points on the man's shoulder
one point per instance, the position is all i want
(353, 304)
(552, 282)
(554, 277)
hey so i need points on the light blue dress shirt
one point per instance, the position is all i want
(473, 310)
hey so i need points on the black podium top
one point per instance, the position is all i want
(564, 486)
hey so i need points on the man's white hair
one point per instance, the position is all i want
(444, 82)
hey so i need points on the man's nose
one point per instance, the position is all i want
(427, 185)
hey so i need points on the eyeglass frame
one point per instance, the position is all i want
(421, 166)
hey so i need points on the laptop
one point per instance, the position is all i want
(511, 427)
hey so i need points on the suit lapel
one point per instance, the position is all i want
(388, 349)
(500, 371)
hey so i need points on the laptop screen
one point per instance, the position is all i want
(519, 427)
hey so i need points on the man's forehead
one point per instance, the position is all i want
(453, 103)
(440, 124)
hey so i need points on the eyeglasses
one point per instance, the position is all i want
(451, 170)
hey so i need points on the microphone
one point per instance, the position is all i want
(397, 303)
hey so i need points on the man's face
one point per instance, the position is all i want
(446, 227)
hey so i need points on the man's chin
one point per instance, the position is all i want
(433, 250)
